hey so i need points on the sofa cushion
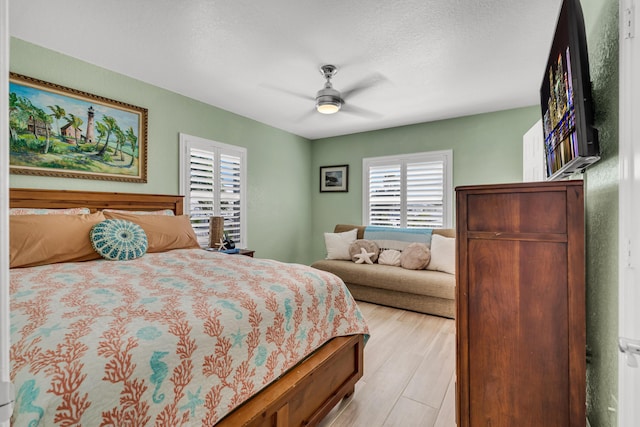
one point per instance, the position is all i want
(419, 282)
(420, 303)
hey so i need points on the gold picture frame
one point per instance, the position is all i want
(62, 132)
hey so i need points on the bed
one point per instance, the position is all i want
(177, 337)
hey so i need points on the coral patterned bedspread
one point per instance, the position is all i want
(170, 339)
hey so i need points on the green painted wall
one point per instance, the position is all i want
(287, 217)
(279, 209)
(487, 148)
(601, 183)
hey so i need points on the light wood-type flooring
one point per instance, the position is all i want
(409, 373)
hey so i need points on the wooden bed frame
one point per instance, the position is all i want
(301, 397)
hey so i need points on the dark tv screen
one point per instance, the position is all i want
(571, 142)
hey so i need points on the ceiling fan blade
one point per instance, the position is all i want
(306, 115)
(367, 83)
(289, 92)
(352, 109)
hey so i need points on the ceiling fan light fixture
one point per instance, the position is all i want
(328, 104)
(328, 100)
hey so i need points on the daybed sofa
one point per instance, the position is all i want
(424, 291)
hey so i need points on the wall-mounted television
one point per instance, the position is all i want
(571, 142)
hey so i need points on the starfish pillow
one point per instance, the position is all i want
(363, 257)
(364, 251)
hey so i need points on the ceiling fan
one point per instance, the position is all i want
(329, 100)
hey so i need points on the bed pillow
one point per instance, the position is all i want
(118, 240)
(416, 256)
(166, 212)
(48, 239)
(338, 244)
(389, 257)
(443, 254)
(38, 211)
(163, 232)
(359, 250)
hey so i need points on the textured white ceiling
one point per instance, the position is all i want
(427, 59)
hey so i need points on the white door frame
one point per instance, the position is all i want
(629, 211)
(6, 395)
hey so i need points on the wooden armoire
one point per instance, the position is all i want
(520, 311)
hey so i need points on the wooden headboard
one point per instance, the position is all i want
(94, 200)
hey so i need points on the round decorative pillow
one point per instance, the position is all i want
(416, 256)
(118, 240)
(358, 255)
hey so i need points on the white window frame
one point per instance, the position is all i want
(446, 156)
(187, 142)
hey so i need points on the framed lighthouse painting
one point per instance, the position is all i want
(63, 132)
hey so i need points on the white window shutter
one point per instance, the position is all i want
(201, 191)
(425, 194)
(385, 195)
(230, 191)
(412, 190)
(212, 179)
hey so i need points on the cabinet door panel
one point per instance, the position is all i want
(518, 355)
(518, 212)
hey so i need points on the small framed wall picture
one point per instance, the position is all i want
(334, 178)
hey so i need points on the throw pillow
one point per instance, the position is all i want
(338, 244)
(118, 240)
(390, 257)
(363, 250)
(443, 254)
(47, 239)
(363, 257)
(416, 256)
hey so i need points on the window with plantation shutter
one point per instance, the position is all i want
(212, 179)
(411, 190)
(385, 195)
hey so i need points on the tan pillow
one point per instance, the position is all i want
(416, 256)
(163, 232)
(47, 239)
(369, 246)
